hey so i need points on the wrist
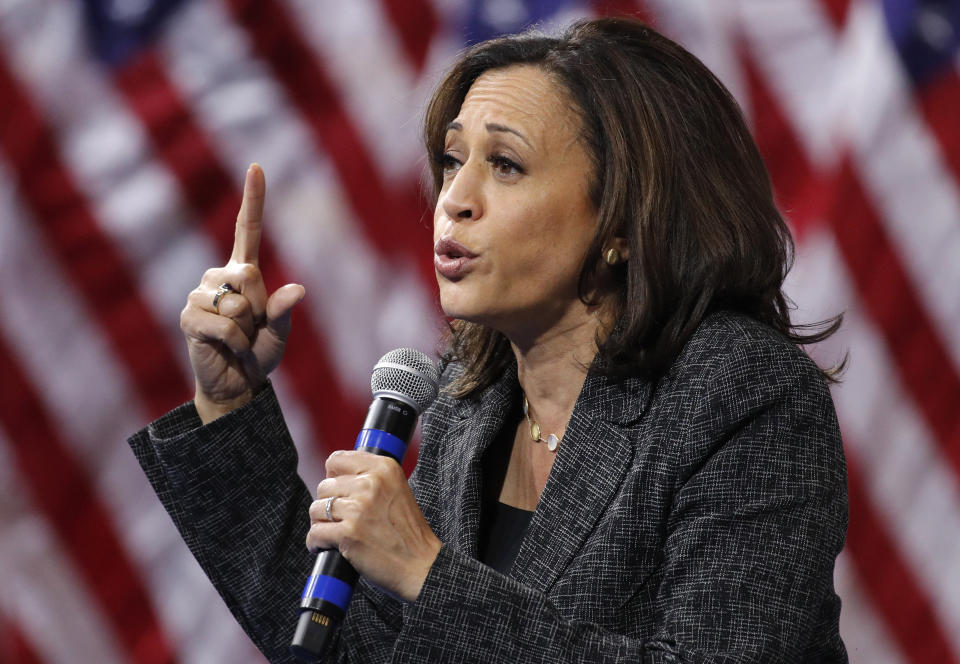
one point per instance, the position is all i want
(209, 409)
(419, 576)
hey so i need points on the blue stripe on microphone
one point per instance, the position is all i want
(328, 588)
(382, 440)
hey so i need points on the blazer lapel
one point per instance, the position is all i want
(478, 422)
(591, 462)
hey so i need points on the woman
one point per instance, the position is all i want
(630, 459)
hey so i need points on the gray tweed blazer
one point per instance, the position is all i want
(695, 520)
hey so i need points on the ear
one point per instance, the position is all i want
(622, 245)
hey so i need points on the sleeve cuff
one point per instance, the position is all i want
(184, 419)
(183, 458)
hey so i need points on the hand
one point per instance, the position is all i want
(377, 524)
(234, 346)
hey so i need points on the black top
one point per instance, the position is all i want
(505, 530)
(502, 526)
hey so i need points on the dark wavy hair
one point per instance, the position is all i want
(675, 172)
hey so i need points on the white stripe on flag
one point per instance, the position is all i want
(41, 593)
(908, 480)
(309, 221)
(137, 202)
(95, 423)
(795, 46)
(901, 166)
(709, 30)
(895, 153)
(374, 80)
(862, 630)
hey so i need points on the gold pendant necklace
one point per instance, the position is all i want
(551, 440)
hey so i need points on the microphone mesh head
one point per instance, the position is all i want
(408, 375)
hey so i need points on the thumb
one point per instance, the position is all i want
(279, 306)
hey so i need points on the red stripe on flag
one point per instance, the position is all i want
(208, 187)
(801, 194)
(921, 360)
(635, 8)
(64, 494)
(837, 11)
(95, 267)
(392, 220)
(881, 281)
(939, 100)
(923, 363)
(415, 22)
(889, 582)
(14, 646)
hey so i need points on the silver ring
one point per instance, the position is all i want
(329, 507)
(222, 290)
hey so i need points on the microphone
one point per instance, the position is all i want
(404, 383)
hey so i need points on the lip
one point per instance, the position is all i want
(451, 259)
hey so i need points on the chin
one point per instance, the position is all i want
(454, 302)
(472, 306)
(460, 313)
(460, 310)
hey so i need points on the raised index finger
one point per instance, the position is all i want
(246, 238)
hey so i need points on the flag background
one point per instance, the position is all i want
(125, 129)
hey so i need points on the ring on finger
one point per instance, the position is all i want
(328, 509)
(222, 290)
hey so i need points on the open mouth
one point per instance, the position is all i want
(449, 248)
(451, 259)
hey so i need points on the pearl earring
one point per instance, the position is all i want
(612, 256)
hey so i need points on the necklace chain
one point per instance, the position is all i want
(535, 434)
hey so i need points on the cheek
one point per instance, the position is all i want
(438, 225)
(562, 254)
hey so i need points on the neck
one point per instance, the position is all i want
(552, 368)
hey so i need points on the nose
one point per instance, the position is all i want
(462, 199)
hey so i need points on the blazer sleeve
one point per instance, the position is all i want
(232, 490)
(757, 517)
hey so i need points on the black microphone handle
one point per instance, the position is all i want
(387, 429)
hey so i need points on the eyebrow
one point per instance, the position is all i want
(492, 127)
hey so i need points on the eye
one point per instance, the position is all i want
(448, 164)
(504, 167)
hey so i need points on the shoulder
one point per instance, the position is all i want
(729, 356)
(731, 351)
(741, 384)
(732, 335)
(735, 372)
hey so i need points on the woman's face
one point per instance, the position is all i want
(513, 220)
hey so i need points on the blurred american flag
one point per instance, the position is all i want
(125, 129)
